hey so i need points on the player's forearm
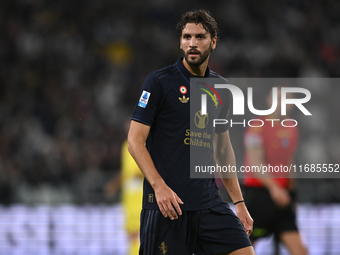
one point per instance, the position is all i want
(233, 187)
(226, 156)
(144, 161)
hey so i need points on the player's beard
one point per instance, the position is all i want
(199, 60)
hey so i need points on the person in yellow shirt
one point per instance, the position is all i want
(131, 183)
(132, 190)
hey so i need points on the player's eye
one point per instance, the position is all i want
(186, 37)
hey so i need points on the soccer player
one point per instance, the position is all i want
(180, 215)
(270, 200)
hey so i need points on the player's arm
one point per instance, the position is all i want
(167, 199)
(256, 157)
(224, 156)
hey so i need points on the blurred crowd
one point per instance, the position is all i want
(71, 70)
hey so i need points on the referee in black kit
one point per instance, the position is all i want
(181, 215)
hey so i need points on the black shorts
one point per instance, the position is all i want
(211, 231)
(268, 217)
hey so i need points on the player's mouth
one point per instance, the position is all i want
(193, 53)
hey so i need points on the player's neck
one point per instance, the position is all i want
(196, 70)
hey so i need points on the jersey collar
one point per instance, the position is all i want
(186, 74)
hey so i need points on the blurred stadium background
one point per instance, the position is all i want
(70, 74)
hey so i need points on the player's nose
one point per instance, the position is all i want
(193, 42)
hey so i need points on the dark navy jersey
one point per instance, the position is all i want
(164, 106)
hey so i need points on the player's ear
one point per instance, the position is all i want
(213, 43)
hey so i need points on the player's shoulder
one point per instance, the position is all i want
(165, 72)
(163, 79)
(221, 80)
(216, 75)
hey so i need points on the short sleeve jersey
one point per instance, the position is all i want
(279, 144)
(164, 106)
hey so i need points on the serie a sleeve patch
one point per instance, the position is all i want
(144, 98)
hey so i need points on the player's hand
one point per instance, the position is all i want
(245, 218)
(112, 187)
(280, 196)
(168, 201)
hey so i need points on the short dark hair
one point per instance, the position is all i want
(198, 16)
